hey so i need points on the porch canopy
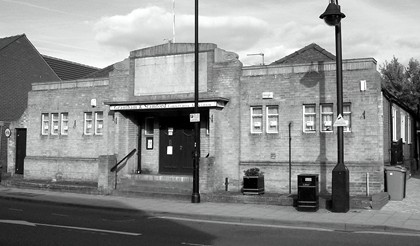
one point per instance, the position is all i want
(217, 102)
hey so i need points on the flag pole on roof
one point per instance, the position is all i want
(173, 22)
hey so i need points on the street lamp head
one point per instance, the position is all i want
(332, 15)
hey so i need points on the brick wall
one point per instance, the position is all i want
(294, 86)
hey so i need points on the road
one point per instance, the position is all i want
(23, 223)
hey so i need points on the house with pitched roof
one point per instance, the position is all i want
(21, 65)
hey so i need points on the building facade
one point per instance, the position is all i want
(21, 65)
(279, 118)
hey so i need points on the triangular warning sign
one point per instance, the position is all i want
(340, 121)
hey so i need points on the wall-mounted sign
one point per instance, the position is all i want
(195, 117)
(149, 143)
(7, 132)
(209, 104)
(268, 95)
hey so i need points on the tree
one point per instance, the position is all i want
(403, 82)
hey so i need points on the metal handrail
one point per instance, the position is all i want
(115, 168)
(123, 159)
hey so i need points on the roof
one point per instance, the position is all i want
(20, 65)
(309, 53)
(4, 42)
(68, 70)
(102, 73)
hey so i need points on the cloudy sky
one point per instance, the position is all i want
(102, 32)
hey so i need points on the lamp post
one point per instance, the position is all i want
(340, 174)
(195, 198)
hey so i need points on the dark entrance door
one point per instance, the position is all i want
(20, 149)
(176, 145)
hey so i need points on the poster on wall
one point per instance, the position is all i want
(149, 143)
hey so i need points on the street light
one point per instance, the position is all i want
(340, 174)
(195, 197)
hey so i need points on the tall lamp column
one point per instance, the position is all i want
(195, 198)
(340, 174)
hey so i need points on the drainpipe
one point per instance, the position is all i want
(290, 158)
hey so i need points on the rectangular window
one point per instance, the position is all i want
(149, 126)
(272, 119)
(347, 116)
(326, 118)
(256, 119)
(88, 123)
(409, 129)
(309, 118)
(99, 123)
(55, 123)
(45, 124)
(394, 125)
(402, 115)
(64, 123)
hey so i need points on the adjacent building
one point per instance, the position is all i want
(21, 65)
(276, 117)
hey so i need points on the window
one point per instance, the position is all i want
(88, 124)
(309, 117)
(45, 124)
(402, 114)
(347, 116)
(99, 123)
(272, 119)
(54, 124)
(409, 129)
(394, 124)
(64, 123)
(256, 119)
(326, 117)
(149, 126)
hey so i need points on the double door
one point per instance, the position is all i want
(176, 145)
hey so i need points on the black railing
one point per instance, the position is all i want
(115, 168)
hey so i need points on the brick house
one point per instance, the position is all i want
(250, 117)
(21, 65)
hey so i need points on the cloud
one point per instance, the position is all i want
(152, 25)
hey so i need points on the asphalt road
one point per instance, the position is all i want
(24, 223)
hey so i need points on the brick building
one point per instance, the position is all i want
(250, 117)
(21, 65)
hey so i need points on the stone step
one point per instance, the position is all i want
(177, 187)
(168, 178)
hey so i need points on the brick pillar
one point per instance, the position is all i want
(105, 176)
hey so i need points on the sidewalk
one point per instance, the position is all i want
(396, 216)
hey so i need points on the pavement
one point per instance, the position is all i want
(395, 217)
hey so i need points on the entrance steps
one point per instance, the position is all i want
(177, 187)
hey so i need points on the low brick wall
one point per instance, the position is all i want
(61, 168)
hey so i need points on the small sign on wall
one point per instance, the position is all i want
(268, 95)
(195, 117)
(169, 150)
(149, 143)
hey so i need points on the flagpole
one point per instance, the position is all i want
(173, 22)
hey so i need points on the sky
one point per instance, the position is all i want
(102, 32)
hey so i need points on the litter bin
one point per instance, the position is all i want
(308, 199)
(396, 182)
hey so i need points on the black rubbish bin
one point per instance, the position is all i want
(308, 192)
(395, 178)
